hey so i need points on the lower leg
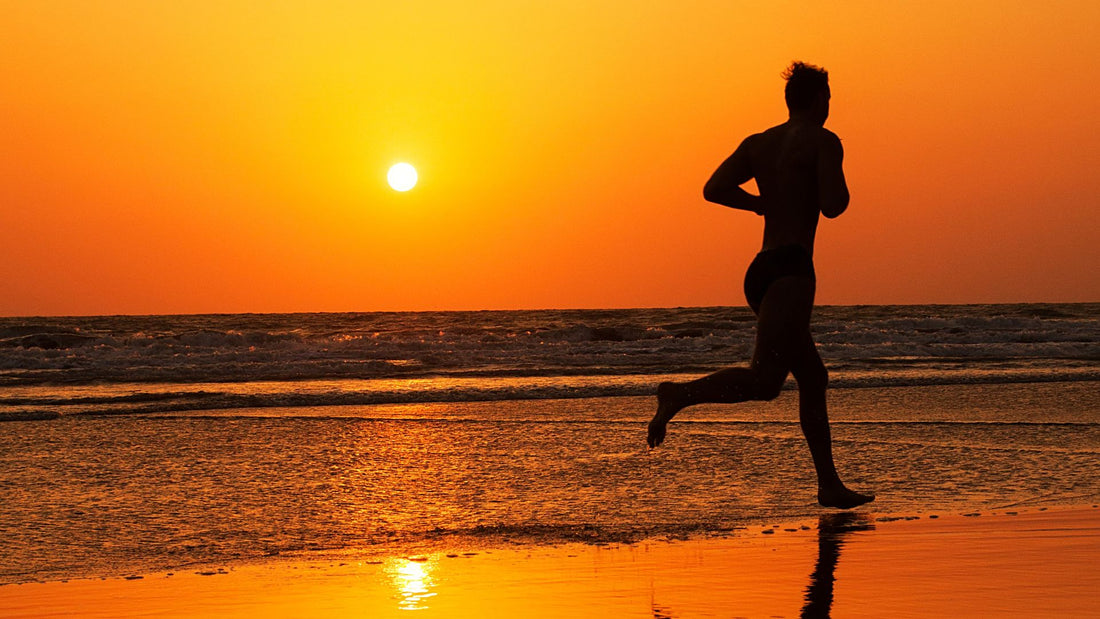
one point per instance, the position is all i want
(831, 491)
(727, 386)
(814, 420)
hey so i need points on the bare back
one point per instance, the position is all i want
(784, 160)
(798, 169)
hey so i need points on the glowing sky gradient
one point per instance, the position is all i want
(225, 157)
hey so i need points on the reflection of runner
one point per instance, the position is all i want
(831, 531)
(797, 166)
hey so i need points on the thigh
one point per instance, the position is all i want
(783, 337)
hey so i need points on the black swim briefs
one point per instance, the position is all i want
(772, 264)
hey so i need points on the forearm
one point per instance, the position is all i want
(735, 197)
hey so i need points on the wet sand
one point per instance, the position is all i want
(1003, 564)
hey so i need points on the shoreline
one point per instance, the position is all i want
(582, 536)
(1024, 562)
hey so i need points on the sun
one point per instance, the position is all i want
(402, 176)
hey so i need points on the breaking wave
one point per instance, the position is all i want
(120, 364)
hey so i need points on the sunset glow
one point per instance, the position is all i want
(210, 157)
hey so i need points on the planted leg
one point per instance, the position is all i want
(789, 303)
(812, 414)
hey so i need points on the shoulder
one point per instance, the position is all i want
(773, 133)
(752, 141)
(752, 145)
(747, 149)
(828, 138)
(830, 143)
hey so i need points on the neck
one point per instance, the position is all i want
(806, 117)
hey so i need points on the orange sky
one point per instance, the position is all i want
(227, 157)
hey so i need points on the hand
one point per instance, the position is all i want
(759, 206)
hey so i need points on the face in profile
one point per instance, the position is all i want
(821, 105)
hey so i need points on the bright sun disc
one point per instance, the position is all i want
(402, 177)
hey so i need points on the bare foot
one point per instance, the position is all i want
(842, 498)
(667, 407)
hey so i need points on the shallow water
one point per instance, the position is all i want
(110, 495)
(59, 366)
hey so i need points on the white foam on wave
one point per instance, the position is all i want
(930, 341)
(43, 402)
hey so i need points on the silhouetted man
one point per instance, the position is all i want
(797, 167)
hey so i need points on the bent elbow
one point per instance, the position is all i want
(835, 208)
(710, 192)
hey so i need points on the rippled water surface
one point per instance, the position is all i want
(51, 367)
(110, 495)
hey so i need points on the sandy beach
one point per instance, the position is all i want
(1027, 564)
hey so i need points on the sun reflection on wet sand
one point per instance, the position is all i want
(412, 582)
(1034, 564)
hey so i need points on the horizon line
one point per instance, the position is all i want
(531, 309)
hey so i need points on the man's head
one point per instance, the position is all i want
(807, 90)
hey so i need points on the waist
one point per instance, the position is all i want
(793, 249)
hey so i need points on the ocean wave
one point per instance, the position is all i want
(288, 347)
(49, 341)
(45, 404)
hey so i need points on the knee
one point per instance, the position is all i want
(814, 377)
(769, 388)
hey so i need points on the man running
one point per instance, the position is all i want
(797, 167)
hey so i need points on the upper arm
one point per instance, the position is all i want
(734, 171)
(832, 188)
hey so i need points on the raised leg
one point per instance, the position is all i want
(762, 380)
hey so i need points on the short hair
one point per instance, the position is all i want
(804, 83)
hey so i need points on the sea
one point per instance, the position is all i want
(133, 445)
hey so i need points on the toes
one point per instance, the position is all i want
(655, 438)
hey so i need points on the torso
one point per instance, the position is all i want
(784, 162)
